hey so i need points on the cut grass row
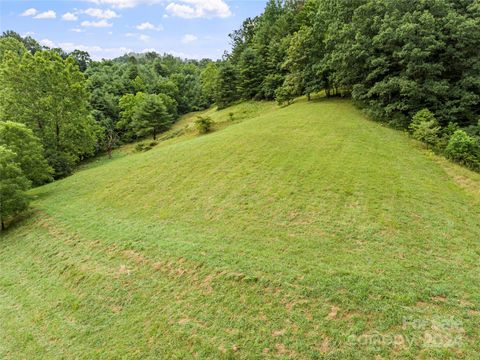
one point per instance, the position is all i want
(291, 234)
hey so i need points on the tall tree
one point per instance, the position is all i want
(48, 95)
(208, 78)
(250, 74)
(28, 150)
(151, 117)
(226, 90)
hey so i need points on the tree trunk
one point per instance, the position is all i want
(308, 97)
(3, 224)
(57, 131)
(154, 134)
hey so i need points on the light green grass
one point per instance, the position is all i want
(284, 235)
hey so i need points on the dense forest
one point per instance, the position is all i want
(412, 64)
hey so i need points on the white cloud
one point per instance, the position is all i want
(141, 37)
(100, 14)
(144, 38)
(77, 30)
(188, 38)
(190, 9)
(30, 12)
(183, 11)
(50, 14)
(68, 16)
(122, 4)
(149, 26)
(101, 23)
(47, 42)
(96, 52)
(185, 55)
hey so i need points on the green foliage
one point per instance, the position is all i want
(270, 84)
(226, 87)
(203, 124)
(297, 225)
(150, 116)
(12, 45)
(250, 74)
(29, 153)
(208, 78)
(28, 42)
(82, 58)
(463, 149)
(393, 57)
(13, 185)
(145, 146)
(183, 85)
(286, 93)
(49, 95)
(424, 127)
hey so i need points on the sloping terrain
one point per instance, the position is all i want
(299, 232)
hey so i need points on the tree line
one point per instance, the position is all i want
(412, 64)
(58, 108)
(394, 58)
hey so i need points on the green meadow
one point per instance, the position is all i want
(303, 232)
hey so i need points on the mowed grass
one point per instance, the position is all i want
(299, 232)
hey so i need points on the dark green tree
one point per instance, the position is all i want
(250, 74)
(151, 117)
(226, 89)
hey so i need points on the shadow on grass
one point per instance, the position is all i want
(15, 222)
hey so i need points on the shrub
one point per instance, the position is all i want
(284, 94)
(62, 162)
(231, 115)
(270, 84)
(203, 124)
(425, 127)
(474, 130)
(145, 147)
(447, 133)
(464, 149)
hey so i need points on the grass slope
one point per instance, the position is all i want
(298, 232)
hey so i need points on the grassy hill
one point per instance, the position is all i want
(299, 232)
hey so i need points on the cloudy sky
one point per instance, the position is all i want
(109, 28)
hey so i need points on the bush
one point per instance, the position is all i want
(203, 125)
(270, 84)
(62, 162)
(284, 94)
(145, 147)
(231, 116)
(425, 127)
(463, 149)
(447, 133)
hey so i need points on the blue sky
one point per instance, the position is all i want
(109, 28)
